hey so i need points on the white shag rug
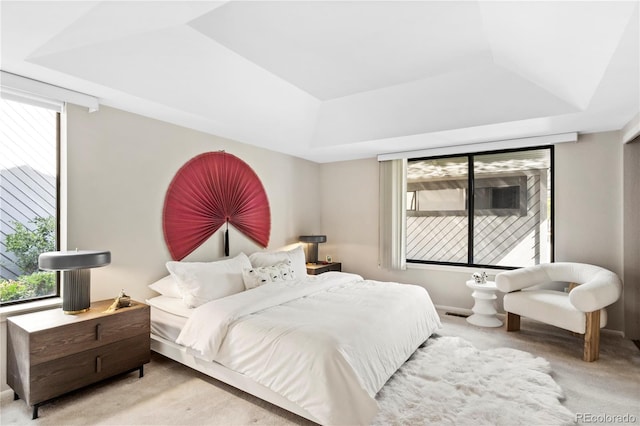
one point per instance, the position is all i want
(449, 381)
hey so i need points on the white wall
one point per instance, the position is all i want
(588, 201)
(120, 165)
(119, 168)
(588, 219)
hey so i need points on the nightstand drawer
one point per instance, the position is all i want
(59, 376)
(72, 338)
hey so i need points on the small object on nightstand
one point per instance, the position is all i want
(122, 301)
(480, 278)
(329, 260)
(319, 268)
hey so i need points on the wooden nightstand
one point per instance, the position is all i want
(50, 353)
(321, 268)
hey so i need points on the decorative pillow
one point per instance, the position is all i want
(255, 277)
(201, 282)
(166, 286)
(267, 258)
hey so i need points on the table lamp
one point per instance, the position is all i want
(312, 241)
(76, 278)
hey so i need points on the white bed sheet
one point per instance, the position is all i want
(168, 316)
(328, 343)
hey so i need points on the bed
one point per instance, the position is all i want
(319, 346)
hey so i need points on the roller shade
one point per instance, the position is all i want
(21, 89)
(483, 146)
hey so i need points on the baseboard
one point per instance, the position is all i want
(618, 333)
(454, 314)
(455, 310)
(460, 311)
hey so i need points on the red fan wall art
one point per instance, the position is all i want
(209, 191)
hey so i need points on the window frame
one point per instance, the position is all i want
(471, 208)
(58, 219)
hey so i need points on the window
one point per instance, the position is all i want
(29, 158)
(489, 209)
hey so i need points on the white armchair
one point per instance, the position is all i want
(581, 310)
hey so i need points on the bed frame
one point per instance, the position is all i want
(219, 372)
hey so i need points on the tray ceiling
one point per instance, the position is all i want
(331, 81)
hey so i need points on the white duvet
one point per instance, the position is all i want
(327, 343)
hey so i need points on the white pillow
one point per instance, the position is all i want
(201, 282)
(166, 286)
(256, 277)
(270, 258)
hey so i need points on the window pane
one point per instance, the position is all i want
(437, 218)
(512, 197)
(28, 207)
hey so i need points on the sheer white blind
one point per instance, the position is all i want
(392, 245)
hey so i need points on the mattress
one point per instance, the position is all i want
(168, 316)
(328, 344)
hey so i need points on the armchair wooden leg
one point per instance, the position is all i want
(592, 337)
(513, 322)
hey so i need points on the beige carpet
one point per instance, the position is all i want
(171, 394)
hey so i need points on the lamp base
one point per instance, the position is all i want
(75, 312)
(312, 249)
(76, 291)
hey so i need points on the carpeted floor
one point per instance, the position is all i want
(171, 394)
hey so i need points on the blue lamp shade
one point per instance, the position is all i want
(312, 241)
(76, 275)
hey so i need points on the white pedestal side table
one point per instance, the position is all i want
(484, 308)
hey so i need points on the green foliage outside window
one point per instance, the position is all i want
(27, 245)
(28, 287)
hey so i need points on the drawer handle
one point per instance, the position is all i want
(98, 364)
(98, 331)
